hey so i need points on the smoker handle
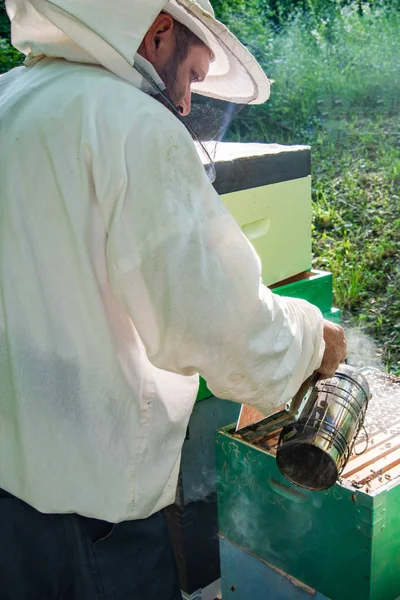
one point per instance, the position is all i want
(287, 492)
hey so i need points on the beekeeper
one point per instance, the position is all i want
(123, 277)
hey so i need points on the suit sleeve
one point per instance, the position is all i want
(191, 281)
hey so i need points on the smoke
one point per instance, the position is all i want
(382, 413)
(245, 517)
(362, 351)
(269, 525)
(260, 512)
(202, 487)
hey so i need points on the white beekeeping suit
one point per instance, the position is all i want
(122, 274)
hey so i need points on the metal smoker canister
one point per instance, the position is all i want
(313, 451)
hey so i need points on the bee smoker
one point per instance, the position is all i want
(314, 449)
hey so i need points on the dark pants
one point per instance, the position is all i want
(69, 557)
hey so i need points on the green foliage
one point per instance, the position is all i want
(336, 87)
(321, 67)
(9, 56)
(356, 227)
(278, 12)
(4, 23)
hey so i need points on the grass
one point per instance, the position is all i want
(357, 226)
(337, 88)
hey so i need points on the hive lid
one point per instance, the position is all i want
(242, 166)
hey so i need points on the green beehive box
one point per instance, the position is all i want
(344, 542)
(203, 392)
(314, 286)
(333, 315)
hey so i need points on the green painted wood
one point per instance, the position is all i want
(333, 315)
(338, 541)
(385, 558)
(203, 392)
(316, 289)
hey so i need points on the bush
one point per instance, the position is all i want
(321, 67)
(9, 56)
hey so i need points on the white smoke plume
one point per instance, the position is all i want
(362, 350)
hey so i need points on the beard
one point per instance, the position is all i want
(169, 76)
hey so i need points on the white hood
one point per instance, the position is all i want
(109, 33)
(93, 31)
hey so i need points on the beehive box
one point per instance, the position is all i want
(344, 542)
(267, 189)
(313, 286)
(193, 518)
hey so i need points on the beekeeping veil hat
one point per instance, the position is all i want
(109, 33)
(234, 74)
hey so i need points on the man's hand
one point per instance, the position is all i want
(335, 349)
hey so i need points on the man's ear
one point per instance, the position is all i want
(159, 41)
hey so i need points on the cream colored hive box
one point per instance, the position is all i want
(267, 189)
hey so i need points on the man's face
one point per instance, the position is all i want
(178, 76)
(164, 49)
